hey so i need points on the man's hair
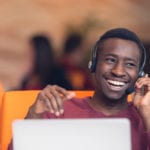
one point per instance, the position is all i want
(125, 34)
(122, 33)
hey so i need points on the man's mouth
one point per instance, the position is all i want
(116, 85)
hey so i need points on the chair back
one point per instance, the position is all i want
(1, 97)
(15, 105)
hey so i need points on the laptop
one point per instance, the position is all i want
(72, 134)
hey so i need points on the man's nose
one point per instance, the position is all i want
(118, 70)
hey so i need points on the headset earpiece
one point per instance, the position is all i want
(92, 65)
(131, 89)
(141, 73)
(93, 61)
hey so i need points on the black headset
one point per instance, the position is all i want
(93, 61)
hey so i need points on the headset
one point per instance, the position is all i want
(93, 62)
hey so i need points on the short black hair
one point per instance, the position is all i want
(122, 33)
(125, 34)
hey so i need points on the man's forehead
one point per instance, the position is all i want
(119, 46)
(117, 42)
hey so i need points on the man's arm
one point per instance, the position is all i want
(50, 99)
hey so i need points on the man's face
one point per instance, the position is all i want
(117, 67)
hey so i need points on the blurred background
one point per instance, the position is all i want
(22, 19)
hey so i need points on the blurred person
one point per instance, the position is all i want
(45, 70)
(72, 62)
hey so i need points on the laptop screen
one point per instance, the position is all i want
(74, 134)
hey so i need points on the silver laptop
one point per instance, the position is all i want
(72, 134)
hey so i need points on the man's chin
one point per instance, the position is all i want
(116, 96)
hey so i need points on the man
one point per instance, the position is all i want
(117, 64)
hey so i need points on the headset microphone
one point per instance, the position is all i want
(130, 90)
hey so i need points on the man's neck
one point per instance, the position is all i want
(107, 106)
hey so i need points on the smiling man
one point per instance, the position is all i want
(117, 69)
(118, 59)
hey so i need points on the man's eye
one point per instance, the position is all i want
(110, 60)
(131, 65)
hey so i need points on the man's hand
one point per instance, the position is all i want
(141, 99)
(49, 99)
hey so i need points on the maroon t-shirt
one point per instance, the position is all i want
(79, 108)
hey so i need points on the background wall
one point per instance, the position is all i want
(19, 19)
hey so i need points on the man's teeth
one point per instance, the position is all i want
(116, 83)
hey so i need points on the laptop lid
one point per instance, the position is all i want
(72, 134)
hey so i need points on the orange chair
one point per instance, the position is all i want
(1, 95)
(15, 105)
